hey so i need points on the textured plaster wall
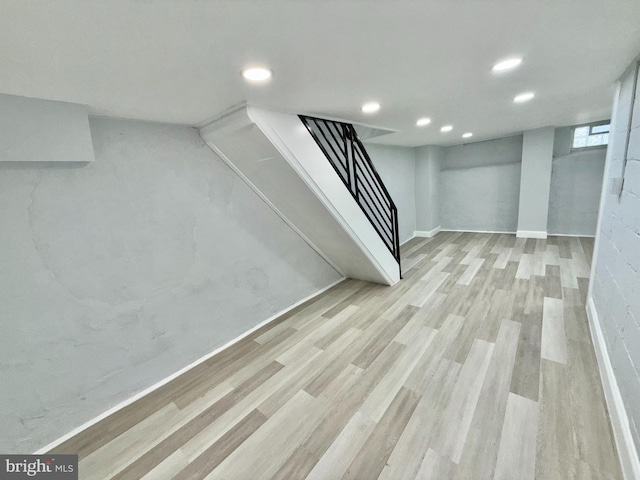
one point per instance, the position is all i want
(480, 185)
(117, 273)
(396, 166)
(576, 183)
(616, 280)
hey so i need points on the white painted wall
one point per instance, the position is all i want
(117, 273)
(427, 187)
(537, 157)
(33, 130)
(615, 280)
(277, 156)
(576, 183)
(480, 185)
(396, 166)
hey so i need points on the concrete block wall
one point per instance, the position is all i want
(576, 184)
(476, 186)
(480, 185)
(616, 277)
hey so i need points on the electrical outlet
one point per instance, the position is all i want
(616, 185)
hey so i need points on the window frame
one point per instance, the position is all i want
(590, 125)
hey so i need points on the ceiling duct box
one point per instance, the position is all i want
(33, 130)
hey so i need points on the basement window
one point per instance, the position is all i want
(592, 135)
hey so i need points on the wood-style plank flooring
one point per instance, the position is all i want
(478, 365)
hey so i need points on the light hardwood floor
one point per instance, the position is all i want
(478, 365)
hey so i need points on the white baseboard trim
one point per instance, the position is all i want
(531, 234)
(520, 233)
(617, 412)
(409, 239)
(171, 377)
(570, 235)
(476, 231)
(427, 234)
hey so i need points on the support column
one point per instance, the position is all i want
(535, 182)
(427, 179)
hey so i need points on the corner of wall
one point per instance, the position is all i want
(531, 234)
(617, 412)
(627, 450)
(428, 233)
(426, 186)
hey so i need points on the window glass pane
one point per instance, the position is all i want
(594, 140)
(579, 142)
(581, 132)
(591, 136)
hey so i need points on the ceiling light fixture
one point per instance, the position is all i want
(467, 135)
(257, 74)
(446, 128)
(506, 64)
(423, 121)
(370, 107)
(524, 97)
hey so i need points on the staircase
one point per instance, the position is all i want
(316, 174)
(341, 146)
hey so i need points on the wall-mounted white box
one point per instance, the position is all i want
(33, 130)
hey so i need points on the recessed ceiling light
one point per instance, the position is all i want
(257, 74)
(446, 128)
(467, 135)
(370, 107)
(506, 64)
(524, 97)
(423, 121)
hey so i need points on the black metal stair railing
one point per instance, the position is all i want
(341, 146)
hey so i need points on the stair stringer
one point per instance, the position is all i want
(277, 157)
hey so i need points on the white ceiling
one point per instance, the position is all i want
(179, 61)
